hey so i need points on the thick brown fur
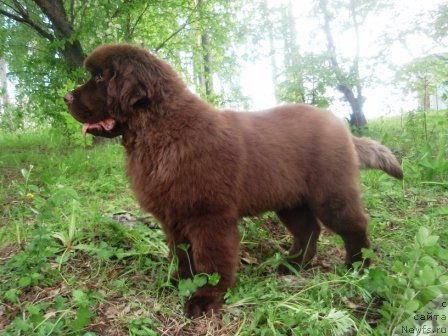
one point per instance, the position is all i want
(198, 169)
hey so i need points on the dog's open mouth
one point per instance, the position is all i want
(103, 125)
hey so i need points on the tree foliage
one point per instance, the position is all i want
(299, 77)
(348, 78)
(423, 77)
(438, 28)
(44, 43)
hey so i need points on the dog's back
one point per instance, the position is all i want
(287, 153)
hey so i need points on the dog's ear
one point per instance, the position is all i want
(128, 90)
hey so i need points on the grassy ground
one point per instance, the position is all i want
(77, 257)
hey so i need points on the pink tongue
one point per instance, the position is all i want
(107, 125)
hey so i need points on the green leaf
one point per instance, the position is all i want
(24, 281)
(83, 317)
(442, 211)
(184, 247)
(33, 309)
(443, 280)
(60, 302)
(429, 261)
(37, 276)
(422, 234)
(200, 280)
(186, 287)
(412, 305)
(377, 278)
(409, 294)
(431, 241)
(398, 266)
(427, 276)
(21, 324)
(26, 173)
(80, 298)
(213, 279)
(442, 253)
(12, 295)
(431, 292)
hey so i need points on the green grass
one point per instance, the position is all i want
(68, 267)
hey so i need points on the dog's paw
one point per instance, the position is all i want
(200, 305)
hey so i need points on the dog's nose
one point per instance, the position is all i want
(68, 98)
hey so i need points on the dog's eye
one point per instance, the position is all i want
(98, 78)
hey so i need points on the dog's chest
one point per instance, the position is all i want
(158, 182)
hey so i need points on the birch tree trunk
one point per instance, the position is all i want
(4, 96)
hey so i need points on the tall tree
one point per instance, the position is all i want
(211, 50)
(291, 88)
(205, 73)
(48, 19)
(344, 18)
(423, 77)
(438, 29)
(349, 82)
(4, 96)
(298, 77)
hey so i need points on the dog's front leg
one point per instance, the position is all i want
(180, 247)
(214, 247)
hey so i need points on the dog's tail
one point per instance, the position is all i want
(372, 154)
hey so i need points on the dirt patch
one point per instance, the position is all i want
(361, 309)
(276, 229)
(116, 316)
(205, 326)
(6, 252)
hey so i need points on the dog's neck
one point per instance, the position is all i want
(168, 121)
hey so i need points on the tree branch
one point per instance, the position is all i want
(55, 12)
(327, 29)
(134, 26)
(118, 10)
(357, 117)
(161, 45)
(172, 35)
(26, 20)
(21, 9)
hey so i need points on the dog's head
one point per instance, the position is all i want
(125, 80)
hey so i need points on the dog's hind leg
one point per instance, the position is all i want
(342, 212)
(305, 230)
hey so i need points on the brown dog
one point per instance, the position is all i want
(198, 170)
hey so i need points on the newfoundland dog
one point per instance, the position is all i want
(198, 169)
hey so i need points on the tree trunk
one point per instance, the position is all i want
(274, 66)
(357, 117)
(73, 54)
(206, 58)
(356, 103)
(4, 97)
(72, 51)
(205, 72)
(426, 100)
